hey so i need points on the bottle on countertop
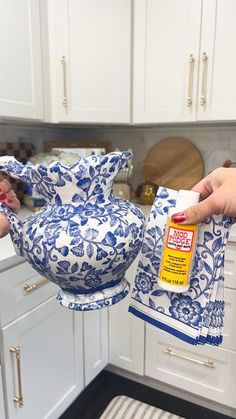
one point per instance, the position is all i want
(179, 247)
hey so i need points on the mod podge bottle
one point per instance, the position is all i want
(179, 247)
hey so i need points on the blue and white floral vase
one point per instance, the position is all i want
(84, 238)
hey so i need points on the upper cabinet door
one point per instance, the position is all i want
(20, 56)
(217, 88)
(166, 48)
(93, 56)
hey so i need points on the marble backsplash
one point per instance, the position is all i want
(215, 142)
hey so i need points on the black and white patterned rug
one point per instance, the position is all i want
(123, 407)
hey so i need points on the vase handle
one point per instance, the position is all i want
(15, 224)
(15, 169)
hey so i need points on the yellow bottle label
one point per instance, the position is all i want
(177, 253)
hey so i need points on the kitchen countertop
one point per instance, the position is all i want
(9, 258)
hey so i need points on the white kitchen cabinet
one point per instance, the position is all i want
(90, 60)
(229, 341)
(126, 333)
(230, 266)
(184, 61)
(50, 373)
(205, 371)
(21, 61)
(23, 285)
(166, 39)
(2, 408)
(95, 343)
(217, 91)
(61, 350)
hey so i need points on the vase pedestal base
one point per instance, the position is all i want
(96, 300)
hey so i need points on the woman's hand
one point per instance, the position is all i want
(8, 197)
(218, 194)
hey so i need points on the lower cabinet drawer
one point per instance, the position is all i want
(21, 289)
(206, 371)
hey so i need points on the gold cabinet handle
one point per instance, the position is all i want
(209, 363)
(29, 288)
(63, 63)
(190, 80)
(203, 84)
(18, 399)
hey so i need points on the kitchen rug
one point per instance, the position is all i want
(197, 315)
(123, 407)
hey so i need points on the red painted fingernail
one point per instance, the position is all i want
(10, 201)
(179, 217)
(2, 196)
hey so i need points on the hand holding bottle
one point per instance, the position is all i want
(218, 196)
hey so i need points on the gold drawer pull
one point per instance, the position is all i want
(203, 84)
(191, 61)
(18, 399)
(29, 288)
(209, 363)
(63, 63)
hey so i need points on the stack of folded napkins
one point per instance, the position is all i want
(197, 315)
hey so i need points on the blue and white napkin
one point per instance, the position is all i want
(195, 316)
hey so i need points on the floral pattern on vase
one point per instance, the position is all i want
(84, 239)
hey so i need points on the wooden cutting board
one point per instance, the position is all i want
(174, 163)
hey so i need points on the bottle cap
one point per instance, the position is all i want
(186, 199)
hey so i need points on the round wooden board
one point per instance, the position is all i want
(174, 163)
